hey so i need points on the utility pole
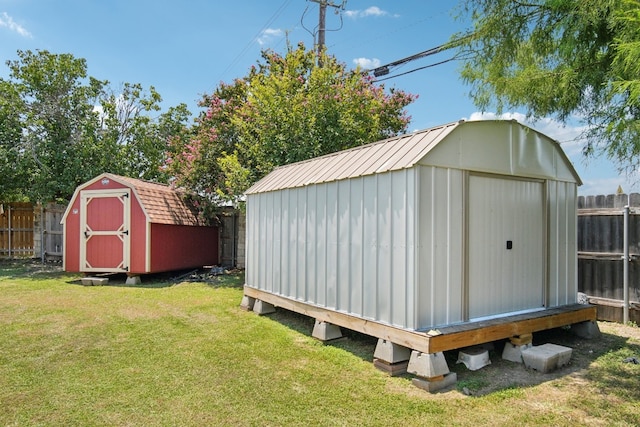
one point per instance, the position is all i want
(321, 24)
(322, 6)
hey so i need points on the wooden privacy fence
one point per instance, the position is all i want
(31, 231)
(16, 230)
(601, 253)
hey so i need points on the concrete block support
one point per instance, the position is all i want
(391, 358)
(247, 303)
(390, 352)
(433, 386)
(513, 353)
(547, 357)
(427, 365)
(260, 307)
(133, 280)
(94, 281)
(588, 330)
(326, 331)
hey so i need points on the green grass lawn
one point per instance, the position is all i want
(167, 353)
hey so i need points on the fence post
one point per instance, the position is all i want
(43, 224)
(9, 230)
(625, 267)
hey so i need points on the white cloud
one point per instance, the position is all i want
(8, 22)
(269, 34)
(370, 11)
(366, 63)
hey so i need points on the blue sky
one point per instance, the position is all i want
(184, 49)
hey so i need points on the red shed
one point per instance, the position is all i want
(119, 224)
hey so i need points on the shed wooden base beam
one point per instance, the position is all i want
(450, 337)
(473, 333)
(414, 340)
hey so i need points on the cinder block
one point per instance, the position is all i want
(588, 329)
(390, 352)
(427, 365)
(547, 357)
(247, 303)
(513, 353)
(100, 281)
(261, 307)
(133, 280)
(433, 386)
(87, 281)
(326, 331)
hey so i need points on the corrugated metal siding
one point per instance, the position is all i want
(562, 243)
(440, 260)
(349, 245)
(503, 280)
(380, 231)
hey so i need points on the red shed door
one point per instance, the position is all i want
(104, 230)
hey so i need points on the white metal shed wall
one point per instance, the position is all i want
(381, 231)
(346, 245)
(440, 258)
(562, 232)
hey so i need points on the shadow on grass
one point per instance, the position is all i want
(228, 279)
(356, 343)
(31, 269)
(599, 361)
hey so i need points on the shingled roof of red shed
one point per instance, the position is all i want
(163, 204)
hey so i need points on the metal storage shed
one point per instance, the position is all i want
(446, 227)
(119, 224)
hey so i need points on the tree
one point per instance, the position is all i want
(286, 109)
(60, 127)
(137, 141)
(560, 58)
(10, 132)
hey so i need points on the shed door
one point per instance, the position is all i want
(104, 230)
(505, 252)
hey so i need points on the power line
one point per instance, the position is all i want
(275, 16)
(383, 70)
(453, 58)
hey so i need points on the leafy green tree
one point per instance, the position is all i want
(286, 109)
(563, 59)
(56, 114)
(60, 127)
(138, 141)
(10, 133)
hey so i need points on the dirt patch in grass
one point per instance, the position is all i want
(503, 374)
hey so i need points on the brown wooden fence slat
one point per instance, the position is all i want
(16, 230)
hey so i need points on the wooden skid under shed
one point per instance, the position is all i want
(450, 337)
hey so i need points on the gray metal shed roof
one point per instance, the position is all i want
(394, 153)
(399, 152)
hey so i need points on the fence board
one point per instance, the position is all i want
(600, 245)
(16, 230)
